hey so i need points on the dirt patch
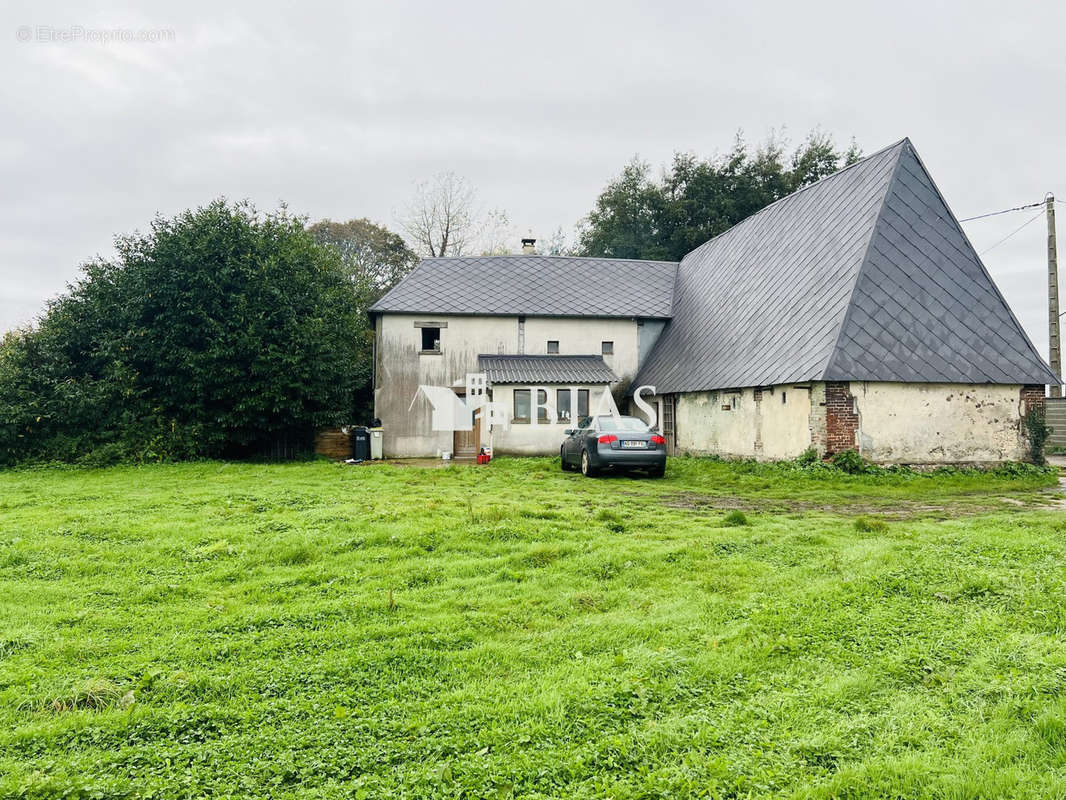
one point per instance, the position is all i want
(1059, 495)
(889, 508)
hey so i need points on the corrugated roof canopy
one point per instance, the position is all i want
(555, 286)
(533, 369)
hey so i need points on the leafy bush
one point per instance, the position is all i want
(851, 462)
(217, 333)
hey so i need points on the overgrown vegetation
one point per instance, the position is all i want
(373, 259)
(316, 630)
(218, 332)
(1037, 433)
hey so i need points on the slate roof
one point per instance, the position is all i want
(545, 369)
(864, 275)
(532, 285)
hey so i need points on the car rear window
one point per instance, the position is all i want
(623, 424)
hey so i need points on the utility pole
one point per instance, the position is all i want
(1054, 342)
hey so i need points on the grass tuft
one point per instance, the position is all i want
(735, 519)
(866, 524)
(99, 694)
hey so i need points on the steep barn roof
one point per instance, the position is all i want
(864, 275)
(549, 286)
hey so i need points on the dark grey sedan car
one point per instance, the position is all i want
(616, 443)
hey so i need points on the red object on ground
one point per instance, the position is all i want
(482, 458)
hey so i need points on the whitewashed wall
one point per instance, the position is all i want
(939, 422)
(907, 423)
(583, 337)
(526, 438)
(768, 429)
(400, 368)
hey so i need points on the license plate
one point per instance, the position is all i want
(630, 444)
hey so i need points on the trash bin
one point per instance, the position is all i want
(377, 434)
(360, 443)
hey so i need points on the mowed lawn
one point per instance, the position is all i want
(319, 630)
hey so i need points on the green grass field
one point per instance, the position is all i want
(317, 630)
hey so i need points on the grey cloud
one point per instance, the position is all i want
(338, 109)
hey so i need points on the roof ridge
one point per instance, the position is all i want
(545, 255)
(865, 258)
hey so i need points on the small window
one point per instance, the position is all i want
(430, 340)
(521, 405)
(607, 348)
(783, 396)
(553, 347)
(562, 404)
(522, 409)
(564, 407)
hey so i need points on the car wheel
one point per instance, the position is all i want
(657, 472)
(587, 469)
(562, 460)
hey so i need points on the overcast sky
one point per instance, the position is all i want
(338, 110)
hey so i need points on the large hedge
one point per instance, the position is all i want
(216, 333)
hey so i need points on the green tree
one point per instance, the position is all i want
(637, 216)
(215, 333)
(374, 260)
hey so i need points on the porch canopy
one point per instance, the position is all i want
(541, 369)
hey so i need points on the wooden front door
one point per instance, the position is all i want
(467, 444)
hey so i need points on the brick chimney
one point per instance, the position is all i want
(529, 246)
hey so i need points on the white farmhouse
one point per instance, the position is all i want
(853, 314)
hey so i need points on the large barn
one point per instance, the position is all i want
(852, 314)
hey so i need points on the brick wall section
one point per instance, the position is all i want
(841, 419)
(1033, 399)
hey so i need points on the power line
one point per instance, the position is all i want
(1016, 230)
(1004, 211)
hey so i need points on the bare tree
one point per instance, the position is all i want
(497, 234)
(441, 220)
(557, 244)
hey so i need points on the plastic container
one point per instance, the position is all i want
(360, 443)
(377, 436)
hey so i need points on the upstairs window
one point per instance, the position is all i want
(607, 348)
(553, 347)
(430, 340)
